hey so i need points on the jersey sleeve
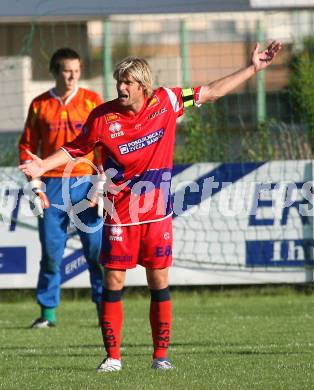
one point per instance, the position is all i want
(86, 141)
(191, 96)
(30, 138)
(98, 100)
(182, 98)
(99, 148)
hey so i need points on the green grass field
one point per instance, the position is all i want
(237, 339)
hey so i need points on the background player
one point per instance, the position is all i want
(54, 118)
(137, 131)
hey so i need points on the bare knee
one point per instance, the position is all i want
(114, 279)
(157, 279)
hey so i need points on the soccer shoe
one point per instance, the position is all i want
(110, 364)
(162, 364)
(41, 323)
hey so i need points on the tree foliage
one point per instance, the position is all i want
(301, 85)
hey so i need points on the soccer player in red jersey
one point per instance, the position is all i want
(137, 133)
(54, 118)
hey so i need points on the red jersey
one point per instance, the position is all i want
(137, 154)
(51, 123)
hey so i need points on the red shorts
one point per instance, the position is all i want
(148, 244)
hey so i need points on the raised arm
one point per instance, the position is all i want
(37, 167)
(259, 61)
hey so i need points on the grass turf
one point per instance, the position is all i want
(228, 340)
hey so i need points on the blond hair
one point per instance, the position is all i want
(137, 68)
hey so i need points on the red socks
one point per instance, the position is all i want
(160, 319)
(111, 322)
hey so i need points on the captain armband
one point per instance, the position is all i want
(188, 97)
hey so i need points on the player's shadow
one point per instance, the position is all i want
(182, 344)
(127, 350)
(61, 369)
(51, 349)
(15, 327)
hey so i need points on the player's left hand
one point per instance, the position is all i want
(262, 59)
(34, 191)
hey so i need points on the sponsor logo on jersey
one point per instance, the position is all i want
(90, 105)
(64, 115)
(138, 126)
(120, 259)
(116, 233)
(156, 113)
(142, 142)
(111, 117)
(167, 236)
(153, 102)
(115, 128)
(116, 230)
